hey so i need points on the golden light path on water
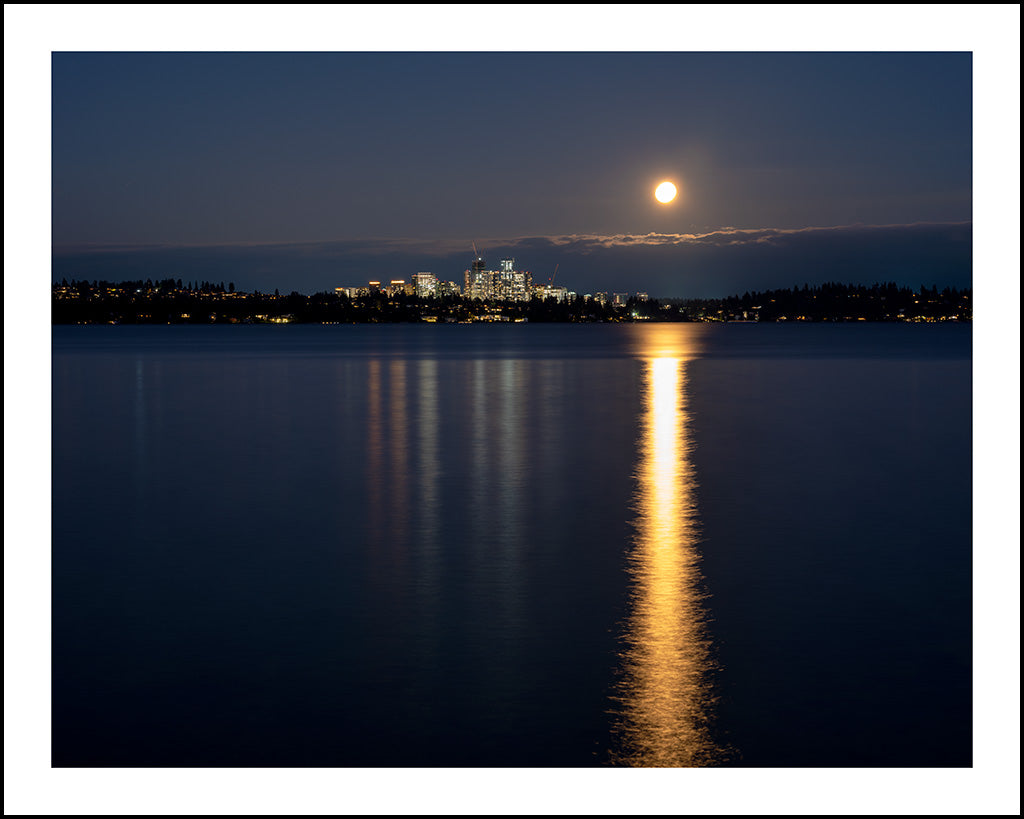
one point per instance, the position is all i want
(664, 701)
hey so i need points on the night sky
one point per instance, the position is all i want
(305, 171)
(299, 170)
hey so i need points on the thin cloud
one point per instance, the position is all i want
(728, 236)
(581, 242)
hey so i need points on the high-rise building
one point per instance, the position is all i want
(425, 285)
(478, 280)
(547, 291)
(504, 284)
(511, 284)
(448, 289)
(398, 287)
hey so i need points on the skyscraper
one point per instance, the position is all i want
(425, 285)
(504, 284)
(478, 280)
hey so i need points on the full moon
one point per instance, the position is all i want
(665, 192)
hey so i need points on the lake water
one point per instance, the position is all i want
(527, 545)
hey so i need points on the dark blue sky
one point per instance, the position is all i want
(300, 170)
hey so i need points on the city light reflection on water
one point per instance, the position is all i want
(664, 702)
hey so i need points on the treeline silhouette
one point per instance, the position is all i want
(840, 302)
(171, 301)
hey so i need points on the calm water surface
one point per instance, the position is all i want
(529, 545)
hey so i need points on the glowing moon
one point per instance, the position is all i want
(665, 192)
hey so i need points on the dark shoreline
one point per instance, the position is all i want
(169, 303)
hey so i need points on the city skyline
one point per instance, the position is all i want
(731, 261)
